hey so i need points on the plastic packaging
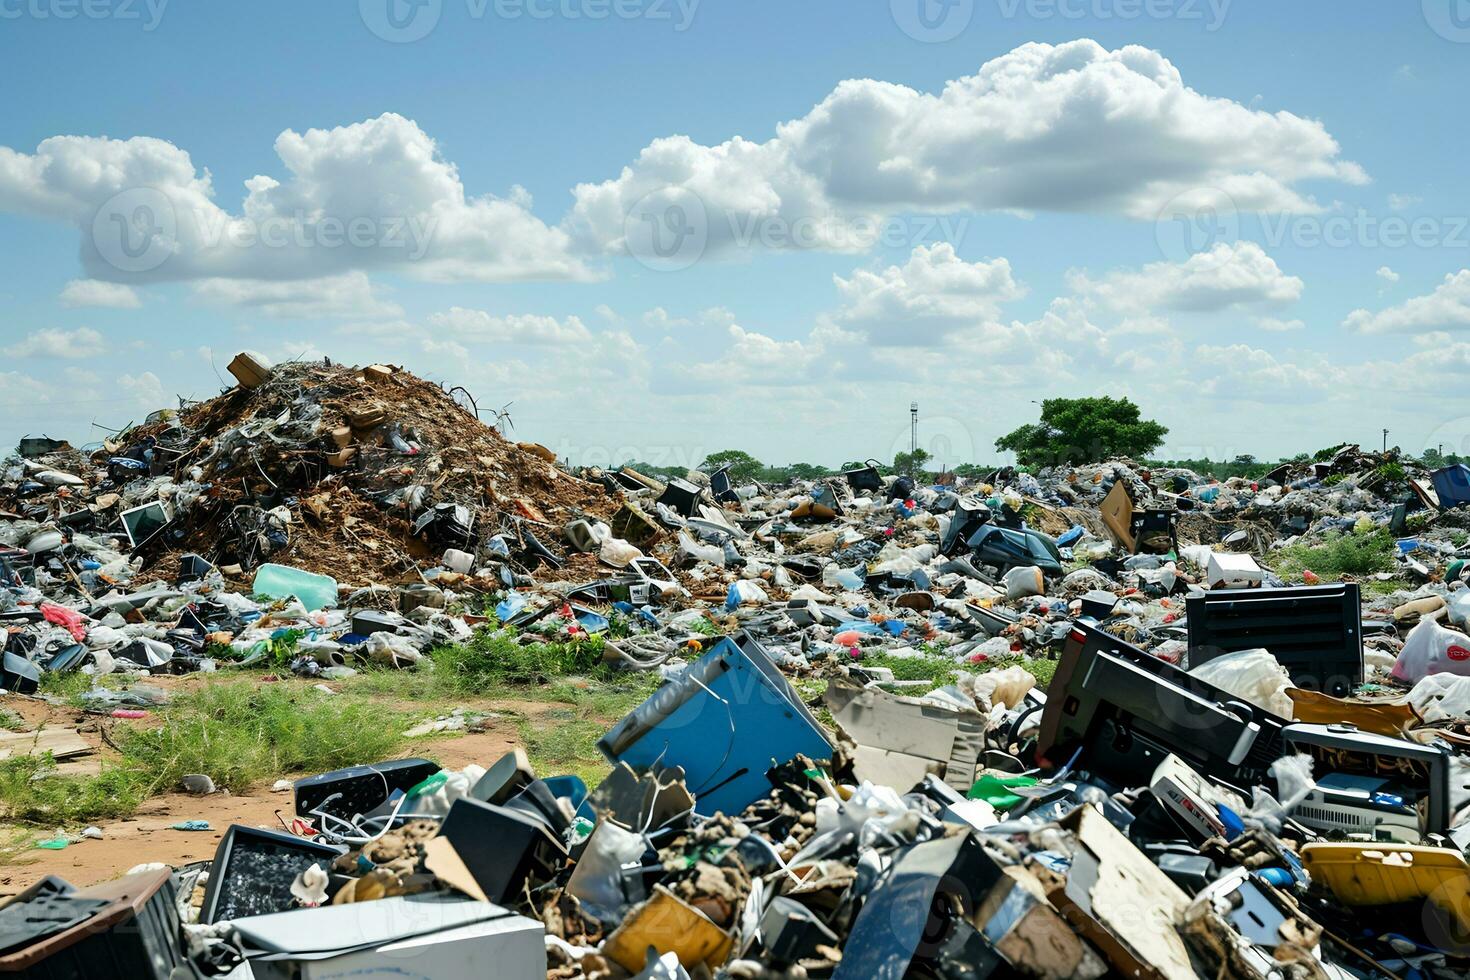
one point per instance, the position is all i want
(704, 552)
(618, 553)
(1459, 613)
(390, 650)
(1441, 697)
(598, 880)
(1254, 675)
(281, 581)
(1022, 581)
(459, 561)
(1432, 649)
(743, 592)
(69, 618)
(508, 607)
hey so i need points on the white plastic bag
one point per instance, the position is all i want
(1459, 613)
(1253, 675)
(391, 650)
(618, 553)
(703, 552)
(598, 882)
(1022, 581)
(1293, 775)
(1432, 649)
(1441, 697)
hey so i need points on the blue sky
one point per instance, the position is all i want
(1244, 215)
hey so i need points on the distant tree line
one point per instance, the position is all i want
(1070, 432)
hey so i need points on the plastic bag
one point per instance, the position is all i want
(598, 881)
(1441, 697)
(1006, 687)
(703, 552)
(438, 795)
(391, 650)
(1293, 775)
(618, 553)
(1432, 649)
(743, 593)
(1022, 581)
(1459, 613)
(1253, 675)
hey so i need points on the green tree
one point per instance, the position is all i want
(743, 466)
(911, 463)
(1083, 430)
(806, 471)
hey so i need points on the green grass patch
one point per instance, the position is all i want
(31, 791)
(238, 733)
(11, 722)
(564, 740)
(493, 665)
(241, 733)
(1351, 554)
(941, 671)
(500, 657)
(69, 686)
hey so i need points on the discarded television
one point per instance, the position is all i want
(726, 719)
(141, 523)
(1122, 711)
(1315, 632)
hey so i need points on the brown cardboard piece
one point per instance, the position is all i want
(1120, 901)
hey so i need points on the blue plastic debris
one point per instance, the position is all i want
(726, 719)
(509, 606)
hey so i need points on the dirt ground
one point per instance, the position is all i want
(148, 835)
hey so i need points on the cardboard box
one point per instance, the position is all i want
(1233, 571)
(251, 370)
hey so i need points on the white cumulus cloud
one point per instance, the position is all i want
(460, 324)
(95, 292)
(1071, 127)
(931, 296)
(348, 294)
(1447, 308)
(76, 344)
(371, 195)
(1227, 276)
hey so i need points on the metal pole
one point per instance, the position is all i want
(1385, 440)
(913, 428)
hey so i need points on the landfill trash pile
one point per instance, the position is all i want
(1164, 745)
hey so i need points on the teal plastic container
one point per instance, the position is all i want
(283, 581)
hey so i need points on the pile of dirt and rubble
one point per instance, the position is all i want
(326, 467)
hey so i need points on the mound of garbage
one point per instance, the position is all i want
(1099, 720)
(362, 473)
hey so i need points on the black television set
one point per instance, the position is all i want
(1125, 710)
(1314, 631)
